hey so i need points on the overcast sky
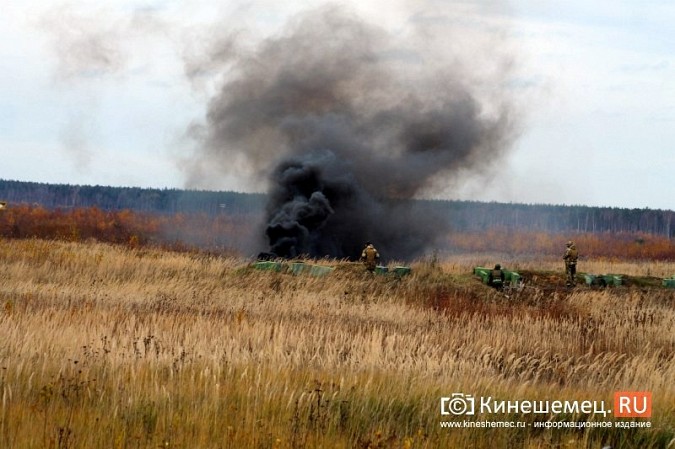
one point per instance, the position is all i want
(107, 95)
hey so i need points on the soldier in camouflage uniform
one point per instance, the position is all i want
(570, 258)
(370, 257)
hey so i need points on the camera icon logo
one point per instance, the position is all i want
(458, 404)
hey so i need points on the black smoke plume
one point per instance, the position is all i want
(349, 124)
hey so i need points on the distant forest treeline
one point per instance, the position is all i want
(165, 201)
(462, 215)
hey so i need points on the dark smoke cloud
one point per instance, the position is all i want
(348, 124)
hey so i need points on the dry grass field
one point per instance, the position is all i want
(109, 347)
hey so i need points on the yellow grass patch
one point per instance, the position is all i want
(104, 346)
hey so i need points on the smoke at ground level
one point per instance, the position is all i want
(346, 122)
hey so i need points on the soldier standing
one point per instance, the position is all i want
(570, 258)
(370, 257)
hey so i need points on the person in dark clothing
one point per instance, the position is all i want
(496, 278)
(570, 257)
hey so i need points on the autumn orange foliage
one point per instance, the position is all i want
(228, 232)
(178, 231)
(605, 245)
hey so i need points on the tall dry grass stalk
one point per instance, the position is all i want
(102, 346)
